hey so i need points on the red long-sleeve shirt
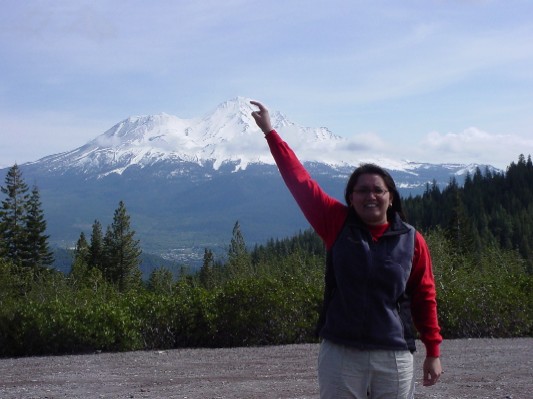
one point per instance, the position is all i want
(327, 216)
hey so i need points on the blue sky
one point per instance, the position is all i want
(430, 81)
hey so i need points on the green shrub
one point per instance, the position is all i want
(181, 319)
(265, 312)
(56, 327)
(484, 296)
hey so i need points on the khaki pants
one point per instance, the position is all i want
(349, 373)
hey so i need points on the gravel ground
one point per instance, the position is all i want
(474, 368)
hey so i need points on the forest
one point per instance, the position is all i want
(490, 209)
(479, 235)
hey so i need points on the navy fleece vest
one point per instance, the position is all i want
(365, 303)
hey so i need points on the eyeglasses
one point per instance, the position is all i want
(364, 191)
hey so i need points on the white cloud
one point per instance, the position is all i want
(476, 146)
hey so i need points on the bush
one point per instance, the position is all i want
(181, 319)
(266, 312)
(57, 327)
(484, 296)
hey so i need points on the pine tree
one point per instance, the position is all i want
(81, 251)
(96, 248)
(13, 215)
(121, 252)
(37, 253)
(207, 271)
(237, 246)
(238, 258)
(80, 267)
(459, 226)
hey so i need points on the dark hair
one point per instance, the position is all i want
(372, 169)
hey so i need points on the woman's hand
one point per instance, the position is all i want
(432, 370)
(261, 117)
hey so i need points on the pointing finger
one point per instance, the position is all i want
(261, 107)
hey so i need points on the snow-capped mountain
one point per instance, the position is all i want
(227, 135)
(185, 182)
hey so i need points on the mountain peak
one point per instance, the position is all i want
(231, 119)
(237, 105)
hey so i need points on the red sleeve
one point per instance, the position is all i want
(324, 213)
(421, 285)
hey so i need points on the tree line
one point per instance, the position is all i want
(489, 209)
(269, 294)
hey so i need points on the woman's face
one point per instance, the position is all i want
(371, 198)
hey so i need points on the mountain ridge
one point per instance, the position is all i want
(227, 135)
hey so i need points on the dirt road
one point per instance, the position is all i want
(477, 368)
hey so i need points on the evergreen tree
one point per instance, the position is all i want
(238, 258)
(13, 216)
(207, 271)
(459, 227)
(80, 267)
(37, 252)
(81, 251)
(122, 252)
(237, 246)
(96, 249)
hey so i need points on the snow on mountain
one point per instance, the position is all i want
(226, 135)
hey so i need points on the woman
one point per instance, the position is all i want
(379, 281)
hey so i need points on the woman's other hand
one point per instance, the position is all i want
(432, 370)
